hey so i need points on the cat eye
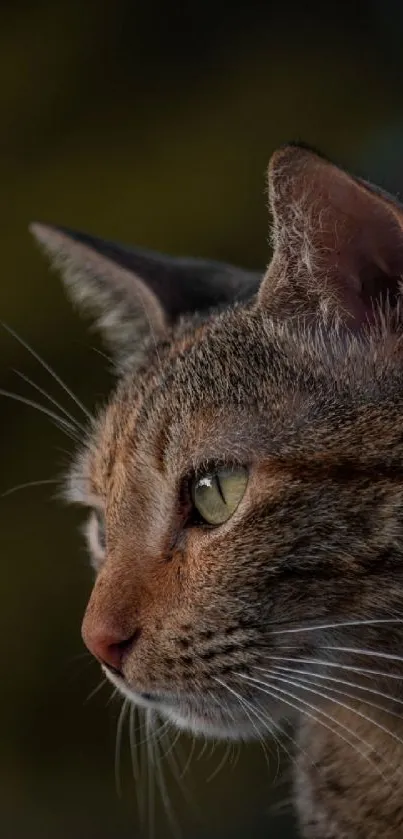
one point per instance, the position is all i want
(216, 495)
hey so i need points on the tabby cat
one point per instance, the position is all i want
(245, 488)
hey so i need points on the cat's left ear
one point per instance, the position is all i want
(136, 295)
(337, 241)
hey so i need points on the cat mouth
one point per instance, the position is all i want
(146, 698)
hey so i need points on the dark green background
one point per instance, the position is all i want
(152, 123)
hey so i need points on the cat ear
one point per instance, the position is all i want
(137, 294)
(337, 241)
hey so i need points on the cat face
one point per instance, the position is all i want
(243, 479)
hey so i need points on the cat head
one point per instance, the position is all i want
(243, 479)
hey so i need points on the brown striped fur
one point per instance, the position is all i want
(297, 374)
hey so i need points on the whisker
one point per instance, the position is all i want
(283, 693)
(338, 681)
(304, 684)
(112, 696)
(28, 484)
(358, 651)
(170, 755)
(246, 707)
(221, 764)
(133, 742)
(337, 625)
(150, 775)
(62, 423)
(172, 758)
(268, 725)
(74, 658)
(164, 726)
(96, 690)
(236, 752)
(189, 758)
(213, 748)
(135, 761)
(84, 654)
(83, 665)
(293, 741)
(48, 368)
(164, 790)
(118, 745)
(240, 700)
(102, 354)
(164, 732)
(311, 680)
(144, 764)
(50, 399)
(366, 671)
(296, 746)
(202, 750)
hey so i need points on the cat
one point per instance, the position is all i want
(245, 487)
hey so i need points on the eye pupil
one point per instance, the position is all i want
(217, 494)
(220, 489)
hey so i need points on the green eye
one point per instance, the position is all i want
(216, 495)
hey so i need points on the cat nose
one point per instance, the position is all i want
(107, 646)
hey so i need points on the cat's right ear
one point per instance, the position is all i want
(135, 294)
(337, 242)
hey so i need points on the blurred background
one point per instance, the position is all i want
(152, 123)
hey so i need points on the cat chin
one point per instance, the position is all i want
(204, 725)
(188, 715)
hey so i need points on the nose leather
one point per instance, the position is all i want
(107, 646)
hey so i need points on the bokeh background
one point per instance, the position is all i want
(152, 123)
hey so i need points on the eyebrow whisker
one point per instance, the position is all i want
(51, 399)
(48, 368)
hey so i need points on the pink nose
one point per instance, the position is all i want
(107, 646)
